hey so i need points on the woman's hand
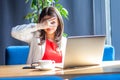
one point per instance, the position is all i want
(52, 22)
(47, 23)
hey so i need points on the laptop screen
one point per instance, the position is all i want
(84, 50)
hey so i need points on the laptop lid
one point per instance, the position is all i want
(84, 51)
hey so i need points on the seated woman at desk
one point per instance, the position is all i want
(45, 37)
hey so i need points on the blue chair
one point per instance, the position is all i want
(16, 55)
(109, 53)
(98, 77)
(33, 78)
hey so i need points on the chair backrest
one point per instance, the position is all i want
(98, 77)
(16, 55)
(109, 53)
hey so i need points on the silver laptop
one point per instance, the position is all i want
(84, 51)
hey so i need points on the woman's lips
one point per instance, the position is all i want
(48, 29)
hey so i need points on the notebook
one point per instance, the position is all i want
(83, 51)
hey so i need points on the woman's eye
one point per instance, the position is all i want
(53, 22)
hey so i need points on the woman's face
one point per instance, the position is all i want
(53, 25)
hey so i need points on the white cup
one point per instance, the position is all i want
(44, 64)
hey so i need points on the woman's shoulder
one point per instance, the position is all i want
(64, 38)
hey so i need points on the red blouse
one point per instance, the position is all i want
(51, 53)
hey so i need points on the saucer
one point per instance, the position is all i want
(41, 68)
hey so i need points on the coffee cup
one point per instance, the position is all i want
(44, 64)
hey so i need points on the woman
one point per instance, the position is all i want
(45, 38)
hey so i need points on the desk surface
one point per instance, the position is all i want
(18, 71)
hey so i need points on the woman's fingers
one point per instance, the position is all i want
(52, 21)
(47, 23)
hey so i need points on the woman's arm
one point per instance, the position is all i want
(24, 32)
(63, 47)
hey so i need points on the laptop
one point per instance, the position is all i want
(83, 51)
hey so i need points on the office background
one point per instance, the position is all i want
(86, 17)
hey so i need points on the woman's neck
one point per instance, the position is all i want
(50, 37)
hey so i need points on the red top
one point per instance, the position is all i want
(51, 53)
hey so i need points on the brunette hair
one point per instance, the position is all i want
(52, 11)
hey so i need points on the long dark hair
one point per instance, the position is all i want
(52, 11)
